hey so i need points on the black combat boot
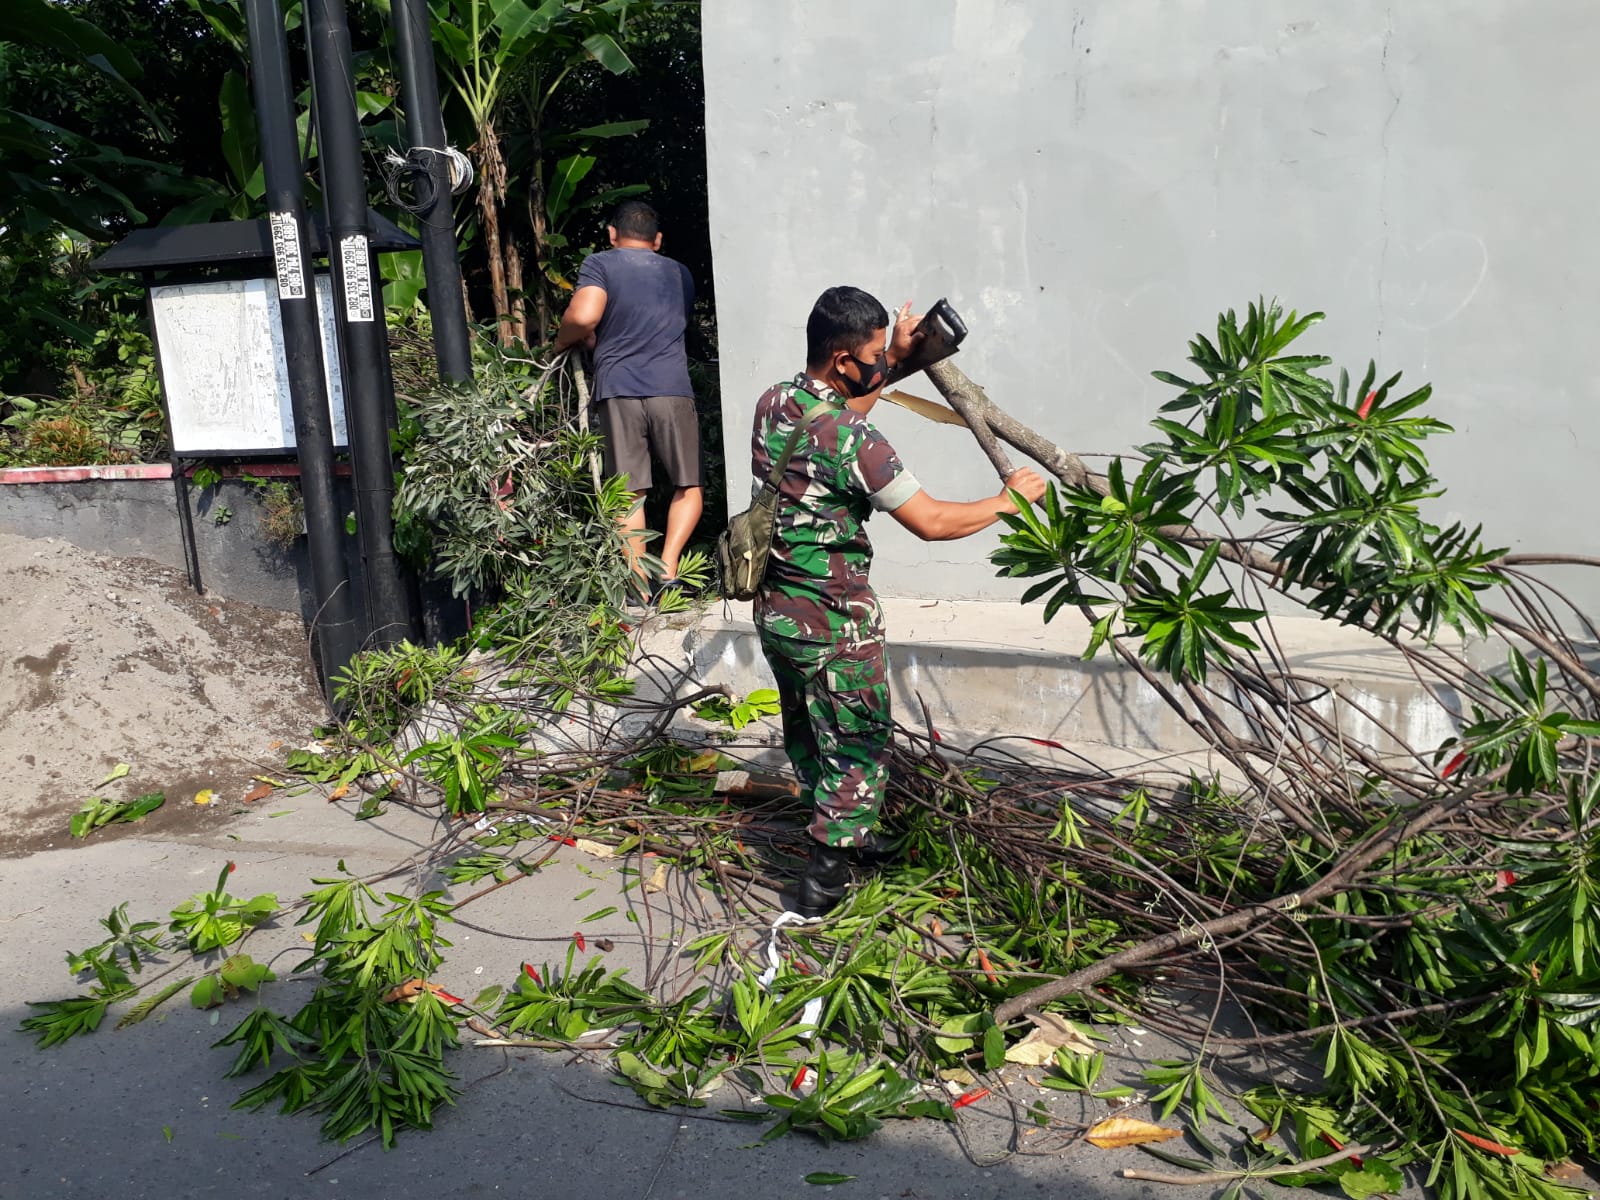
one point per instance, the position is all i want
(875, 849)
(826, 877)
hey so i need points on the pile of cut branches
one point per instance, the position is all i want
(1424, 919)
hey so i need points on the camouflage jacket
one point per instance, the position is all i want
(816, 586)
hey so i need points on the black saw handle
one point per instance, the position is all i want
(942, 331)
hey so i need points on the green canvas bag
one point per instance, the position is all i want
(745, 545)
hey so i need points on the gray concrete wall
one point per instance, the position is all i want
(1090, 182)
(138, 518)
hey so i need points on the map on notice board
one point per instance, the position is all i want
(222, 364)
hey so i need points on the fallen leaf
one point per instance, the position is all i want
(166, 1132)
(959, 1076)
(988, 967)
(1485, 1144)
(260, 792)
(824, 1178)
(340, 792)
(971, 1097)
(412, 988)
(658, 878)
(117, 772)
(705, 761)
(605, 944)
(1051, 1033)
(930, 410)
(1115, 1132)
(277, 744)
(598, 849)
(204, 796)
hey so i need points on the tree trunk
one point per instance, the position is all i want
(516, 292)
(491, 193)
(539, 220)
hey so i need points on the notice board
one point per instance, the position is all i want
(223, 370)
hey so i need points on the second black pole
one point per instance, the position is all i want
(419, 86)
(359, 317)
(337, 635)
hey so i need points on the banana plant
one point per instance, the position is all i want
(506, 54)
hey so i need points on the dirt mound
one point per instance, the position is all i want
(108, 660)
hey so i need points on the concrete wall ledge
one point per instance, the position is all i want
(994, 669)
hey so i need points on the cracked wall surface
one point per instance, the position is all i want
(1089, 183)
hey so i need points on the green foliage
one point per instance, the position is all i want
(1263, 427)
(850, 1103)
(1176, 1083)
(108, 409)
(763, 702)
(463, 767)
(565, 1006)
(283, 511)
(668, 771)
(259, 1037)
(501, 479)
(1527, 736)
(506, 61)
(383, 689)
(97, 812)
(57, 1020)
(236, 976)
(1074, 1072)
(129, 939)
(366, 1052)
(214, 919)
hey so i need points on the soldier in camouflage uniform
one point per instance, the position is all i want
(819, 622)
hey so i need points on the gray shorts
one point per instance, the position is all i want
(633, 426)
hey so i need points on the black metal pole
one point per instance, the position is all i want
(358, 315)
(419, 85)
(334, 622)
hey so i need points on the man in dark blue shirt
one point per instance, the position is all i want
(632, 305)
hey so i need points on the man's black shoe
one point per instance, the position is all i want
(827, 876)
(875, 849)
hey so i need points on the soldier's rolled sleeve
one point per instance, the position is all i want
(900, 489)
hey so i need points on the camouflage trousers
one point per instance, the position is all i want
(836, 728)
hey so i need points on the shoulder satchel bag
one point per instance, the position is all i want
(746, 544)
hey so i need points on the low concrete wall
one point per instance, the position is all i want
(992, 669)
(132, 512)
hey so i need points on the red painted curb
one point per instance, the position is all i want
(75, 474)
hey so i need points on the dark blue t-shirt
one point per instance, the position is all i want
(639, 342)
